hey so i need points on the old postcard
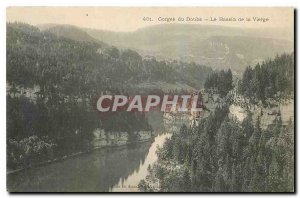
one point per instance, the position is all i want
(150, 99)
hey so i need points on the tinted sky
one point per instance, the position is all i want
(130, 19)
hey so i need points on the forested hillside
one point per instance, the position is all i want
(53, 82)
(101, 63)
(225, 154)
(220, 81)
(270, 79)
(221, 155)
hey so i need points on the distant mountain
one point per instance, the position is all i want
(68, 31)
(215, 46)
(219, 47)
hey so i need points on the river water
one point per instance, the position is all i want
(110, 169)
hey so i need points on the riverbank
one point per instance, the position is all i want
(97, 171)
(130, 183)
(59, 159)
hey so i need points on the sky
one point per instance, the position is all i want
(128, 19)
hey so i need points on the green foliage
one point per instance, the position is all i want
(69, 75)
(225, 156)
(31, 149)
(268, 79)
(221, 81)
(35, 57)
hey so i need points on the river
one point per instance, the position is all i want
(110, 169)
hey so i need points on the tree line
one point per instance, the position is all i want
(221, 81)
(269, 79)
